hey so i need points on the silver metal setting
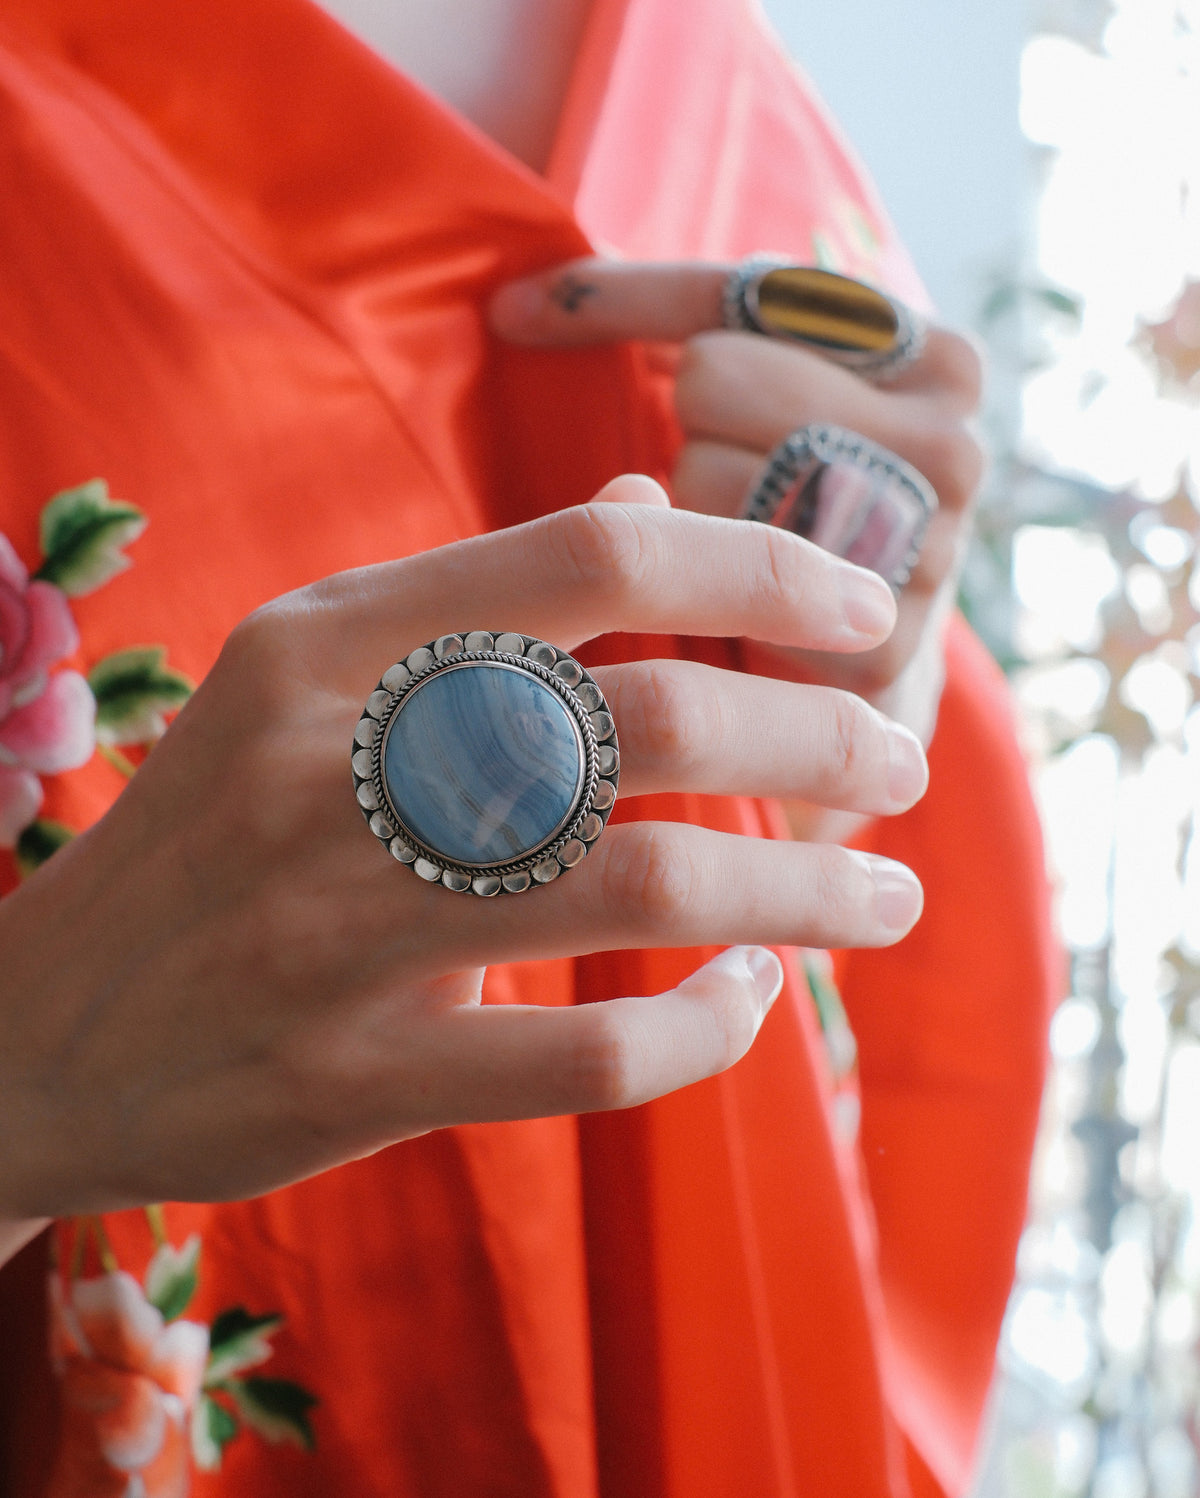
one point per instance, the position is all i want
(740, 314)
(599, 773)
(798, 457)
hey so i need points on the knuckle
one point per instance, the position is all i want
(603, 548)
(840, 887)
(698, 378)
(253, 639)
(735, 1021)
(665, 723)
(649, 879)
(312, 1096)
(850, 732)
(955, 462)
(602, 1070)
(963, 365)
(786, 571)
(259, 658)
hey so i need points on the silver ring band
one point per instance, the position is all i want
(848, 321)
(849, 495)
(486, 761)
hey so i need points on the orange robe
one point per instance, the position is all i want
(244, 266)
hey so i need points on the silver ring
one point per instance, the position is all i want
(848, 321)
(486, 761)
(849, 495)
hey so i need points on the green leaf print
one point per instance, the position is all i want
(82, 533)
(276, 1408)
(213, 1427)
(831, 1015)
(238, 1341)
(133, 689)
(39, 841)
(862, 230)
(171, 1277)
(824, 253)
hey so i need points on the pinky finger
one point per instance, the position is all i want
(530, 1061)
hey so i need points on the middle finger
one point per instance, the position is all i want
(749, 392)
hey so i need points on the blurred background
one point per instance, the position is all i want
(1043, 164)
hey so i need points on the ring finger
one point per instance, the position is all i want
(668, 884)
(688, 727)
(749, 392)
(715, 478)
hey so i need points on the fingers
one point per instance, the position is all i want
(517, 1061)
(687, 727)
(683, 727)
(583, 572)
(665, 884)
(747, 392)
(951, 364)
(673, 885)
(604, 301)
(714, 477)
(750, 391)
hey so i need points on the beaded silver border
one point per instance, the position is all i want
(788, 468)
(601, 771)
(739, 313)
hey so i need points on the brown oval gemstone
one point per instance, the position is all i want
(818, 306)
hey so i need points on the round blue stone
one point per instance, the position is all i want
(483, 763)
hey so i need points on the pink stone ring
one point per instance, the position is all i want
(848, 495)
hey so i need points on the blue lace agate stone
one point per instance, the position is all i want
(483, 763)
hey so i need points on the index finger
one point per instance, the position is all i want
(606, 301)
(598, 568)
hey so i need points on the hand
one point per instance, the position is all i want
(738, 395)
(246, 989)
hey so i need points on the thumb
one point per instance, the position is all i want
(633, 489)
(604, 301)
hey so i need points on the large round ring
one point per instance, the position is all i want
(846, 320)
(486, 761)
(848, 495)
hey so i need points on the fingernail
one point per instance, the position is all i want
(868, 604)
(908, 773)
(516, 304)
(899, 897)
(767, 972)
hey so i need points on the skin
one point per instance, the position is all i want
(262, 993)
(348, 991)
(738, 395)
(476, 56)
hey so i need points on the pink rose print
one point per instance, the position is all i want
(47, 722)
(130, 1383)
(146, 1396)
